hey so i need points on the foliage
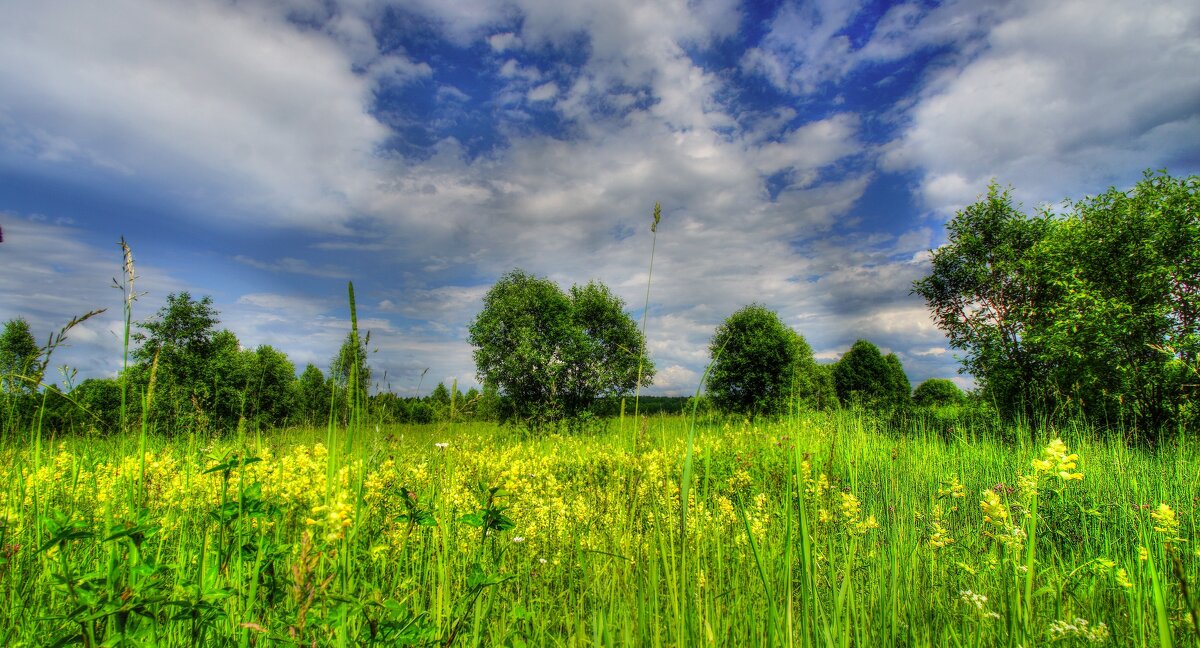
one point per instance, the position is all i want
(1122, 334)
(1092, 312)
(864, 377)
(19, 354)
(179, 348)
(984, 295)
(554, 354)
(937, 391)
(760, 365)
(270, 379)
(347, 366)
(313, 395)
(898, 389)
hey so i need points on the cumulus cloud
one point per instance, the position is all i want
(221, 104)
(1065, 99)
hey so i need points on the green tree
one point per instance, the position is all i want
(863, 377)
(271, 399)
(552, 355)
(899, 389)
(816, 387)
(348, 367)
(937, 391)
(225, 395)
(984, 294)
(19, 353)
(351, 363)
(1122, 335)
(178, 347)
(313, 394)
(760, 364)
(1096, 312)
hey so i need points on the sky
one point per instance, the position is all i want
(806, 155)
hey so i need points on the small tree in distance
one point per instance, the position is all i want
(759, 364)
(553, 354)
(19, 353)
(937, 391)
(864, 377)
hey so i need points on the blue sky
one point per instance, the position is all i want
(806, 155)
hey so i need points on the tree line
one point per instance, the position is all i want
(187, 374)
(1091, 312)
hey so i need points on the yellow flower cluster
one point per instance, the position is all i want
(1166, 523)
(1057, 462)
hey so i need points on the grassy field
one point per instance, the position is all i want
(827, 530)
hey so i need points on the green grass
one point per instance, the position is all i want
(500, 539)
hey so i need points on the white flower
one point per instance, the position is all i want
(518, 538)
(441, 446)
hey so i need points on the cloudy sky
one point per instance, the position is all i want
(806, 155)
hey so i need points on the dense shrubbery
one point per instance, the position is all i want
(1095, 312)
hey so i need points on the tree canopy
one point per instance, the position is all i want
(863, 376)
(760, 365)
(552, 354)
(19, 353)
(1095, 311)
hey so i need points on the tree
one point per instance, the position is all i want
(984, 294)
(178, 348)
(1121, 337)
(552, 355)
(759, 364)
(313, 394)
(864, 377)
(351, 363)
(271, 399)
(937, 391)
(348, 367)
(899, 390)
(1094, 312)
(19, 354)
(817, 389)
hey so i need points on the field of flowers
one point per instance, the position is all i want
(818, 530)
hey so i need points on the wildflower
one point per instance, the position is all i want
(1057, 462)
(994, 511)
(1079, 628)
(952, 488)
(441, 446)
(971, 598)
(1143, 554)
(1122, 578)
(1166, 523)
(518, 539)
(941, 537)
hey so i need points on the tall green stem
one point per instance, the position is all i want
(645, 312)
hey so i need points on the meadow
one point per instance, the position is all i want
(820, 529)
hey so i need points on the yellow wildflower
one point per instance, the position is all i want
(1057, 462)
(994, 511)
(1166, 523)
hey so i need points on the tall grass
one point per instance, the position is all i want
(819, 530)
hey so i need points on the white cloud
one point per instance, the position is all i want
(504, 41)
(544, 92)
(1067, 98)
(50, 276)
(221, 104)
